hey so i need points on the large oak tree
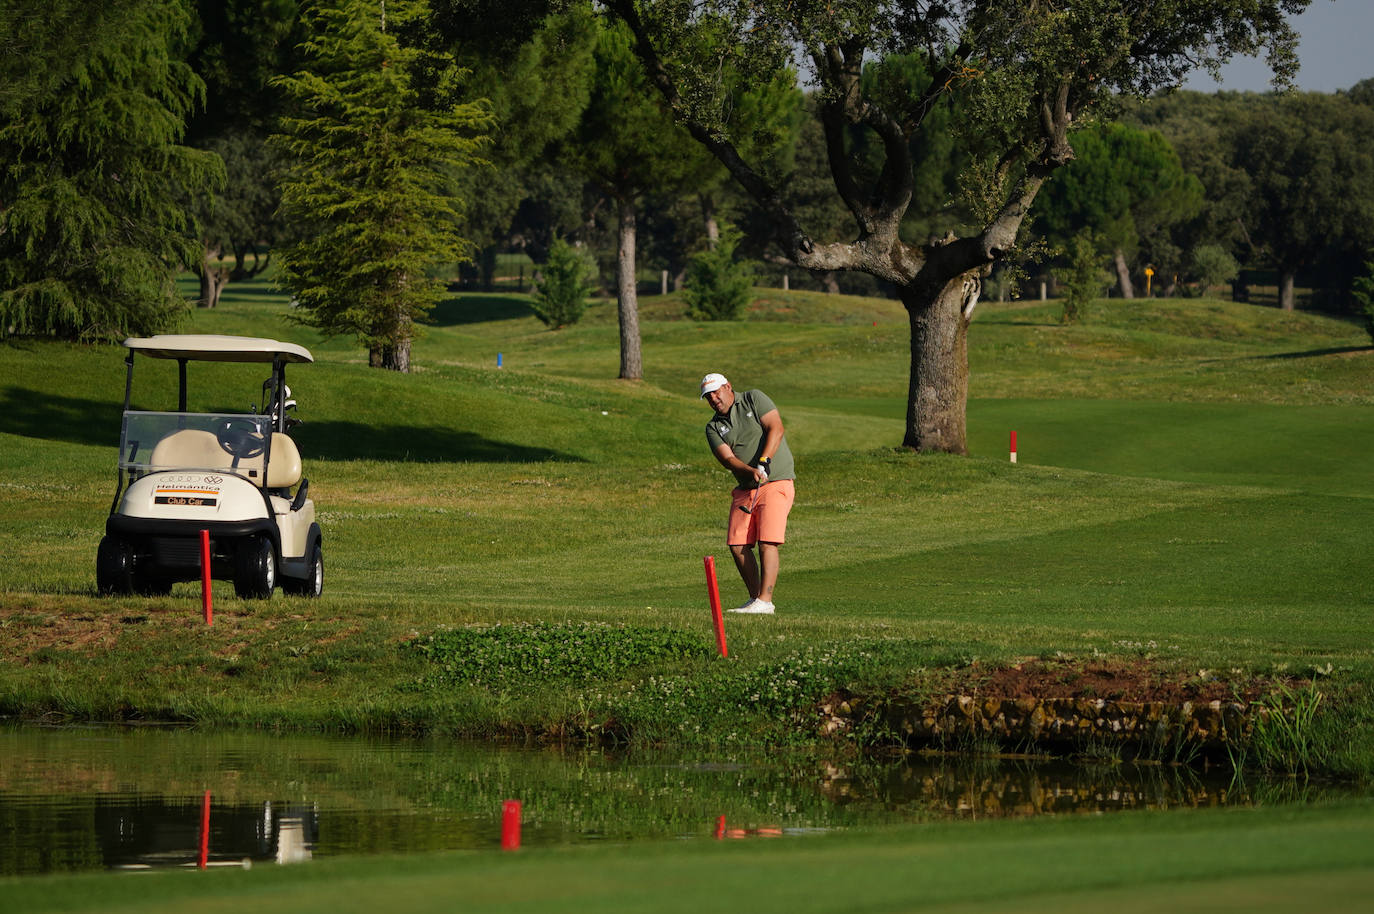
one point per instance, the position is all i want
(1024, 72)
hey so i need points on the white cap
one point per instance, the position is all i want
(712, 382)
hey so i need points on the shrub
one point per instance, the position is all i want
(1084, 279)
(1363, 290)
(560, 295)
(1213, 265)
(718, 287)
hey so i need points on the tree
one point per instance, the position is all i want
(1025, 74)
(369, 160)
(628, 145)
(92, 223)
(1312, 180)
(561, 293)
(239, 47)
(718, 285)
(532, 60)
(1364, 296)
(1084, 279)
(1127, 187)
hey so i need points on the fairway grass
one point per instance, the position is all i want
(1193, 491)
(1275, 859)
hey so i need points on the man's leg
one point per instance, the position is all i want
(768, 558)
(749, 569)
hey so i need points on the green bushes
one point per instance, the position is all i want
(561, 295)
(718, 286)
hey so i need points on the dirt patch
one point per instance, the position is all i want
(1113, 680)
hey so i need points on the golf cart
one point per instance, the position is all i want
(231, 474)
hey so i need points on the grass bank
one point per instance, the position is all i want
(1193, 495)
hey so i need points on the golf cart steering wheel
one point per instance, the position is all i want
(240, 438)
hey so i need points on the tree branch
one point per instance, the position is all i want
(788, 230)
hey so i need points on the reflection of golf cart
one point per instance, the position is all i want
(228, 473)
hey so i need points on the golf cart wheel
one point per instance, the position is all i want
(312, 585)
(152, 584)
(255, 569)
(114, 567)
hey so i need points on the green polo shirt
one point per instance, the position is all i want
(743, 432)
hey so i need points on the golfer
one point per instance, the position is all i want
(746, 436)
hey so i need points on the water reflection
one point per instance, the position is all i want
(93, 798)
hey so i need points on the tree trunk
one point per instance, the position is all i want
(937, 393)
(213, 278)
(708, 212)
(1287, 297)
(1123, 275)
(631, 363)
(395, 354)
(829, 282)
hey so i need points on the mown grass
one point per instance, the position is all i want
(1274, 859)
(1193, 486)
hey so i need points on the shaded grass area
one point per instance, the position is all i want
(1276, 859)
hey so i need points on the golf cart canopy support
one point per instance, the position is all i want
(213, 348)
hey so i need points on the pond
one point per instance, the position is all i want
(89, 798)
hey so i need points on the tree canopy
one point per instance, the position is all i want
(92, 214)
(1024, 75)
(377, 137)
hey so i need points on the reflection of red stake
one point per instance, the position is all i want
(205, 577)
(713, 592)
(205, 830)
(510, 825)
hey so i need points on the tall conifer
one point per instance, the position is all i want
(92, 174)
(376, 139)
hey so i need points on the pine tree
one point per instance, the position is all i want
(93, 184)
(377, 137)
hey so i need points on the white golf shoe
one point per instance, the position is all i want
(755, 607)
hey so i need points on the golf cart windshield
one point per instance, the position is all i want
(223, 442)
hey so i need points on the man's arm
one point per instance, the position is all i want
(772, 434)
(744, 473)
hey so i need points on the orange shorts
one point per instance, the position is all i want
(767, 522)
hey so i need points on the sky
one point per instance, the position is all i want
(1335, 52)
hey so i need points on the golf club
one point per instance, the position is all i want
(754, 499)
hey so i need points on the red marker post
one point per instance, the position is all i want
(205, 577)
(205, 831)
(1013, 447)
(713, 592)
(510, 825)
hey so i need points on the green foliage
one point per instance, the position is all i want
(518, 654)
(1284, 738)
(377, 137)
(1126, 185)
(561, 294)
(1363, 290)
(1213, 265)
(93, 221)
(1085, 279)
(719, 286)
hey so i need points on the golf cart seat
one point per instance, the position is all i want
(194, 448)
(285, 470)
(190, 447)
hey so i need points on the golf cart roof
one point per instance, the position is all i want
(206, 347)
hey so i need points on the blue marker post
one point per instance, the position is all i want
(498, 360)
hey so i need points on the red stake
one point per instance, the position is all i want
(205, 577)
(205, 830)
(510, 825)
(713, 591)
(1013, 447)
